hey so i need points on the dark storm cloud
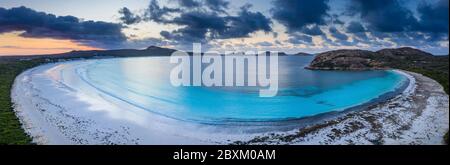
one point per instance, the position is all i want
(336, 20)
(303, 18)
(366, 21)
(434, 17)
(313, 30)
(217, 5)
(392, 20)
(337, 34)
(385, 15)
(355, 27)
(197, 25)
(297, 14)
(39, 24)
(394, 16)
(189, 3)
(245, 23)
(297, 38)
(158, 14)
(213, 5)
(361, 37)
(200, 25)
(127, 17)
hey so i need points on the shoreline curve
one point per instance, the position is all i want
(42, 119)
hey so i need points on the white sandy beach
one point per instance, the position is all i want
(54, 113)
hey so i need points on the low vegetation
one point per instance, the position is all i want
(438, 73)
(446, 138)
(439, 76)
(11, 131)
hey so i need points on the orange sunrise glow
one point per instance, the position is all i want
(14, 44)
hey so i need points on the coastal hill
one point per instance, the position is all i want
(150, 51)
(405, 58)
(346, 60)
(401, 58)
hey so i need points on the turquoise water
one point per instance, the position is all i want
(145, 83)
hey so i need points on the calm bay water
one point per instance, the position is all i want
(144, 82)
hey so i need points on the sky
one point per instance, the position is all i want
(312, 26)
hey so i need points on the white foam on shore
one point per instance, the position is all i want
(412, 82)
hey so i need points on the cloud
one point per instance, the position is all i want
(355, 27)
(217, 5)
(394, 16)
(337, 34)
(198, 26)
(189, 3)
(245, 23)
(297, 14)
(304, 18)
(202, 25)
(158, 14)
(384, 15)
(39, 25)
(361, 37)
(334, 18)
(393, 23)
(434, 17)
(313, 30)
(127, 17)
(297, 38)
(264, 43)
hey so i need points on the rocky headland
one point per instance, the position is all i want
(353, 59)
